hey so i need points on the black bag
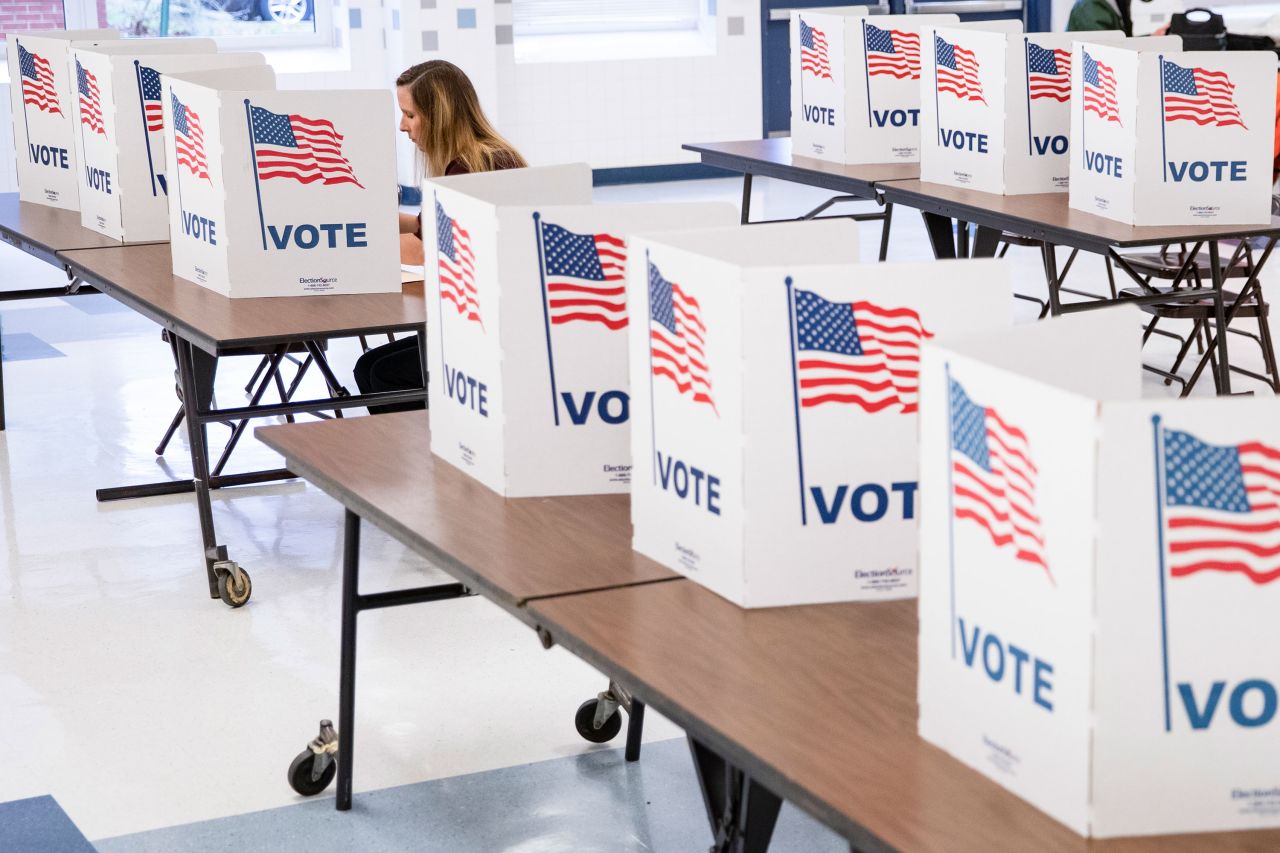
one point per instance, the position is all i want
(1200, 28)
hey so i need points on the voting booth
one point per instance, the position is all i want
(120, 130)
(42, 90)
(526, 300)
(995, 108)
(279, 193)
(774, 394)
(1166, 137)
(855, 84)
(1099, 581)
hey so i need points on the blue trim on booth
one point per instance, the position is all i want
(412, 196)
(39, 825)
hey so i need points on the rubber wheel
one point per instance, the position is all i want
(584, 720)
(231, 595)
(300, 774)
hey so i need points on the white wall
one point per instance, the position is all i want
(610, 113)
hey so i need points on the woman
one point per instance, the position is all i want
(441, 115)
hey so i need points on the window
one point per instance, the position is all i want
(251, 24)
(558, 17)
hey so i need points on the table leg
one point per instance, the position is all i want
(742, 813)
(884, 230)
(422, 359)
(1220, 318)
(347, 666)
(746, 198)
(1048, 252)
(962, 239)
(195, 374)
(985, 242)
(635, 729)
(941, 236)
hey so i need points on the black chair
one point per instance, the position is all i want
(1189, 272)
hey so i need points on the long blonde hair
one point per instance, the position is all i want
(455, 127)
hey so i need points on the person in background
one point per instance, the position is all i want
(440, 113)
(1101, 15)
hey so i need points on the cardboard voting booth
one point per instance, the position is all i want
(1165, 137)
(42, 89)
(526, 300)
(855, 85)
(279, 193)
(774, 394)
(1099, 581)
(120, 138)
(995, 108)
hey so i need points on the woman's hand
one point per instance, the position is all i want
(411, 250)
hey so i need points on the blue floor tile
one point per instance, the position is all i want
(589, 803)
(24, 346)
(39, 825)
(96, 303)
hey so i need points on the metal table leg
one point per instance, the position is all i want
(941, 235)
(742, 813)
(985, 241)
(347, 665)
(746, 198)
(884, 230)
(195, 373)
(1220, 318)
(1048, 253)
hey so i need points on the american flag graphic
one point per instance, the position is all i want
(302, 149)
(457, 266)
(90, 100)
(957, 71)
(1048, 72)
(857, 353)
(188, 139)
(677, 338)
(813, 51)
(893, 52)
(1222, 507)
(149, 80)
(1199, 95)
(994, 478)
(37, 82)
(1100, 89)
(585, 276)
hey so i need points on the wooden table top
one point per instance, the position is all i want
(512, 550)
(45, 231)
(819, 703)
(142, 278)
(772, 158)
(1046, 216)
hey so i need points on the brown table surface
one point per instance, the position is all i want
(45, 231)
(512, 550)
(1046, 216)
(772, 158)
(819, 704)
(142, 278)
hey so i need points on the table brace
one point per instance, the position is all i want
(885, 215)
(741, 811)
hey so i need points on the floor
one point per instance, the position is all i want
(139, 715)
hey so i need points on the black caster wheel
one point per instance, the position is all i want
(231, 594)
(301, 777)
(584, 720)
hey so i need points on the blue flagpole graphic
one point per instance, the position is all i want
(257, 182)
(1164, 150)
(795, 388)
(546, 314)
(1164, 618)
(146, 132)
(435, 200)
(951, 508)
(866, 71)
(653, 421)
(25, 124)
(1026, 56)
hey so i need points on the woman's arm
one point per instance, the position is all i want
(411, 251)
(408, 223)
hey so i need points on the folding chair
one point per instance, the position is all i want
(1008, 239)
(1188, 269)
